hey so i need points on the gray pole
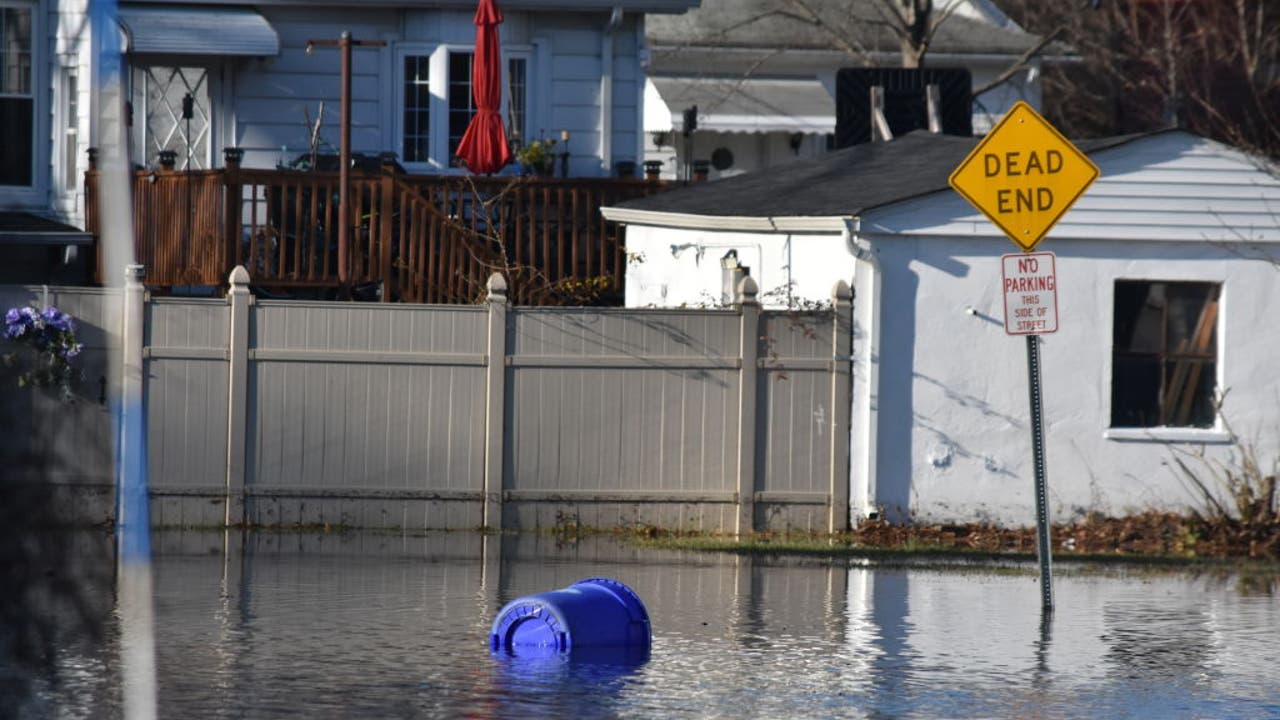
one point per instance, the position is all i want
(1043, 548)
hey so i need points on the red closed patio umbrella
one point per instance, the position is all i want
(484, 144)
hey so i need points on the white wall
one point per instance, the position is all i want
(675, 267)
(953, 430)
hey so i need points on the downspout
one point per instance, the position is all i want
(865, 415)
(606, 90)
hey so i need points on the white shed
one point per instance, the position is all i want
(1168, 273)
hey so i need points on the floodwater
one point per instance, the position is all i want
(375, 626)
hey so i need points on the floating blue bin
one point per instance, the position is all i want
(596, 612)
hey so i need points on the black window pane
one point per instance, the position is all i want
(16, 116)
(1135, 392)
(1139, 314)
(417, 109)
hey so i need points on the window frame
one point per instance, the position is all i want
(35, 194)
(438, 81)
(1214, 433)
(68, 176)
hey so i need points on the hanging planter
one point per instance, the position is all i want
(44, 349)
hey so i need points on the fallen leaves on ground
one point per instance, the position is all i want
(1147, 534)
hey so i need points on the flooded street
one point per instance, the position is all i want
(278, 625)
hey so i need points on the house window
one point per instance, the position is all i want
(421, 141)
(1164, 354)
(461, 102)
(416, 147)
(17, 100)
(70, 126)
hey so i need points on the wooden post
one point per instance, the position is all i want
(233, 200)
(344, 44)
(750, 314)
(91, 219)
(841, 370)
(344, 166)
(495, 407)
(239, 299)
(385, 211)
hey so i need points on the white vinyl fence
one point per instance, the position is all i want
(295, 414)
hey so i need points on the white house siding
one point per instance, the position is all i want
(673, 267)
(953, 435)
(1170, 186)
(272, 96)
(70, 43)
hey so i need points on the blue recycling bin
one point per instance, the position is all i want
(591, 613)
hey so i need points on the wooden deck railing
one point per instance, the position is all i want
(419, 238)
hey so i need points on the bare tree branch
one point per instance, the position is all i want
(1021, 63)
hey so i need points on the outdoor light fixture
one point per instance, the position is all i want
(188, 111)
(564, 154)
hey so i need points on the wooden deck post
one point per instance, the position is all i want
(91, 219)
(495, 408)
(385, 212)
(841, 369)
(232, 199)
(749, 308)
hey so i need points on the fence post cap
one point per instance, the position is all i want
(135, 273)
(747, 290)
(841, 292)
(239, 276)
(497, 286)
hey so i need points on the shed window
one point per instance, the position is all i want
(1164, 354)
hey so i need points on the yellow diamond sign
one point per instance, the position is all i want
(1024, 175)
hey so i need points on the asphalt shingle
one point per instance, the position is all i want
(843, 182)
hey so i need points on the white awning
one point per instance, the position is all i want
(750, 105)
(225, 31)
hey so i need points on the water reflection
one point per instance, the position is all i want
(271, 625)
(586, 682)
(1152, 640)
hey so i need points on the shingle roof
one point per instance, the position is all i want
(757, 23)
(843, 182)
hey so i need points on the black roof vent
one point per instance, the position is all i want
(903, 96)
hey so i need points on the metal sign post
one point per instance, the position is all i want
(1029, 282)
(1044, 550)
(1024, 176)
